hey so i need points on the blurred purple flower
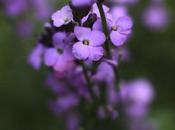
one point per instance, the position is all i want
(156, 16)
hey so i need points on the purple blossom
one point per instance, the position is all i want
(120, 29)
(156, 16)
(60, 61)
(15, 7)
(137, 95)
(62, 17)
(89, 45)
(42, 7)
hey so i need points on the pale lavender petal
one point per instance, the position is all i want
(57, 20)
(124, 23)
(97, 38)
(82, 33)
(62, 17)
(96, 53)
(117, 38)
(118, 11)
(50, 56)
(81, 51)
(58, 39)
(97, 25)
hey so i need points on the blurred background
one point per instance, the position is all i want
(24, 97)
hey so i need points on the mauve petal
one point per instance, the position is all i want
(82, 33)
(80, 51)
(118, 12)
(60, 64)
(57, 20)
(50, 57)
(96, 53)
(117, 38)
(97, 25)
(97, 38)
(124, 23)
(96, 10)
(67, 13)
(58, 39)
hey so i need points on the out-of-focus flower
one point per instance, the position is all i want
(42, 8)
(156, 16)
(90, 44)
(137, 95)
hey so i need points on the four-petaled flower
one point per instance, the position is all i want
(89, 45)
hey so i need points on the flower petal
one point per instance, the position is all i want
(96, 53)
(57, 20)
(117, 38)
(82, 33)
(124, 23)
(58, 39)
(80, 51)
(50, 56)
(97, 38)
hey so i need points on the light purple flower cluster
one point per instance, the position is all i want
(18, 11)
(82, 46)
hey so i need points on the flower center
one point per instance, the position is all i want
(86, 42)
(60, 51)
(114, 28)
(66, 20)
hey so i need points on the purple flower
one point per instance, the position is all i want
(89, 45)
(62, 17)
(79, 3)
(156, 16)
(60, 61)
(42, 7)
(120, 29)
(35, 58)
(119, 25)
(15, 7)
(59, 57)
(137, 96)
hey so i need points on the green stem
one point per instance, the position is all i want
(105, 27)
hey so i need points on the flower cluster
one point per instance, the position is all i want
(17, 10)
(82, 46)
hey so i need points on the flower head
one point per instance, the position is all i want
(62, 17)
(89, 45)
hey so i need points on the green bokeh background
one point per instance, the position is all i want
(23, 97)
